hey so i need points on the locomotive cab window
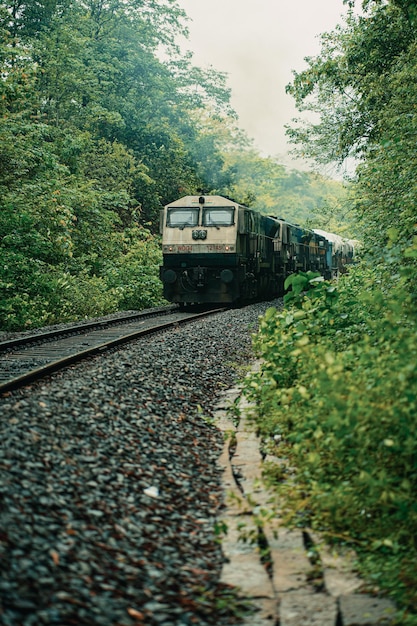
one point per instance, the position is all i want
(218, 216)
(182, 217)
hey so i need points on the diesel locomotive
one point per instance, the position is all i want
(218, 251)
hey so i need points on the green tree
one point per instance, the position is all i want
(266, 185)
(96, 136)
(346, 83)
(370, 69)
(349, 429)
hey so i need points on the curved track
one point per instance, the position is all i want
(31, 357)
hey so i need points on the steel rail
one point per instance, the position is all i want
(59, 364)
(78, 328)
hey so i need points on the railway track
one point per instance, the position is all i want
(29, 358)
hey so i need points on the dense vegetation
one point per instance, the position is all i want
(91, 126)
(338, 385)
(102, 121)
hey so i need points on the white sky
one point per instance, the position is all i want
(258, 43)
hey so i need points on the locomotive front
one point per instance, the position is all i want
(199, 246)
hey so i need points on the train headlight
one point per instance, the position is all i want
(169, 276)
(199, 234)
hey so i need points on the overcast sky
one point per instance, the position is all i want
(258, 43)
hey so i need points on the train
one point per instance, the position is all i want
(218, 251)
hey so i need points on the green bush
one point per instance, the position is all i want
(34, 293)
(135, 275)
(338, 383)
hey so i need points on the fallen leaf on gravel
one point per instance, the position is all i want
(136, 614)
(55, 557)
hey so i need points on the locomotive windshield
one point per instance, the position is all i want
(182, 217)
(218, 216)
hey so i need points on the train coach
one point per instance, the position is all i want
(216, 250)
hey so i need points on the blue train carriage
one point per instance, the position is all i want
(218, 251)
(340, 252)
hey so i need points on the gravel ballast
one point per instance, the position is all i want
(109, 487)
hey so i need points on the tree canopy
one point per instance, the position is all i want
(363, 87)
(95, 137)
(103, 121)
(350, 429)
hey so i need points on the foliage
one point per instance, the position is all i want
(59, 229)
(338, 382)
(386, 192)
(135, 277)
(301, 197)
(103, 121)
(338, 385)
(363, 87)
(94, 139)
(346, 83)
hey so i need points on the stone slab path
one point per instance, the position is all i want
(274, 566)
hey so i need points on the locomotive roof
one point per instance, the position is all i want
(339, 242)
(208, 200)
